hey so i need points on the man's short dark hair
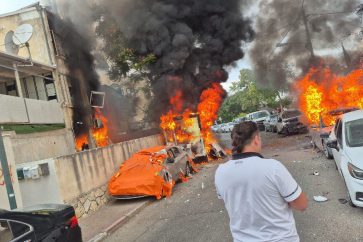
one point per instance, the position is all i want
(242, 135)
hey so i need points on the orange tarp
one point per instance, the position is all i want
(142, 175)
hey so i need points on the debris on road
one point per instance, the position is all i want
(202, 185)
(320, 199)
(315, 173)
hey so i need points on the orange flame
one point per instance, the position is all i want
(100, 135)
(321, 91)
(210, 101)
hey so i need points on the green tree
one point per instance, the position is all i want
(247, 96)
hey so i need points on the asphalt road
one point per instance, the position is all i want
(194, 213)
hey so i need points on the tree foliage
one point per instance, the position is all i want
(247, 96)
(124, 64)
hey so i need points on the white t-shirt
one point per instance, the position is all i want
(256, 192)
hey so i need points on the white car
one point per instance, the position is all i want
(215, 128)
(228, 127)
(346, 142)
(259, 117)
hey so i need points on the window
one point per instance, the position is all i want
(10, 230)
(50, 87)
(354, 133)
(290, 114)
(11, 88)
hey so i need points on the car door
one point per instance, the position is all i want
(337, 153)
(16, 231)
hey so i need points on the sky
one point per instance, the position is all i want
(12, 5)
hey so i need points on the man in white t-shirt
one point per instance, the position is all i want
(258, 193)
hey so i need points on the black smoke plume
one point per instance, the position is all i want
(280, 49)
(76, 49)
(193, 42)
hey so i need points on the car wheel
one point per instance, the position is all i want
(327, 152)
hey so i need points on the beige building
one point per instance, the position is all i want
(35, 103)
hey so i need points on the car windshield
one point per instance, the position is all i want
(290, 114)
(259, 115)
(354, 133)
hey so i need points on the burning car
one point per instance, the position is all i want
(151, 172)
(48, 222)
(346, 142)
(289, 123)
(320, 134)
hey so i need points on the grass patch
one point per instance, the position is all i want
(31, 128)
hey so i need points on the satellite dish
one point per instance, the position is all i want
(10, 46)
(22, 34)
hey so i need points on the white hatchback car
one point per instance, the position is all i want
(346, 142)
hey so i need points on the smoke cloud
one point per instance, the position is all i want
(280, 49)
(193, 42)
(76, 49)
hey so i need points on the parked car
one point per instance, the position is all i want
(48, 222)
(219, 128)
(215, 128)
(240, 120)
(346, 142)
(150, 172)
(270, 123)
(320, 132)
(289, 123)
(259, 117)
(228, 127)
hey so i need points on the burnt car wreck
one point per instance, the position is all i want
(289, 122)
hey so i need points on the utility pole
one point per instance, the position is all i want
(347, 58)
(308, 37)
(6, 174)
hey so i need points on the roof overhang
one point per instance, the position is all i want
(25, 67)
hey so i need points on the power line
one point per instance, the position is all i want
(329, 13)
(284, 35)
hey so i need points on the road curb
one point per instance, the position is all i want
(118, 223)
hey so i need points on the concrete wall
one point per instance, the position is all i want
(82, 172)
(23, 110)
(44, 112)
(13, 110)
(79, 179)
(42, 145)
(44, 189)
